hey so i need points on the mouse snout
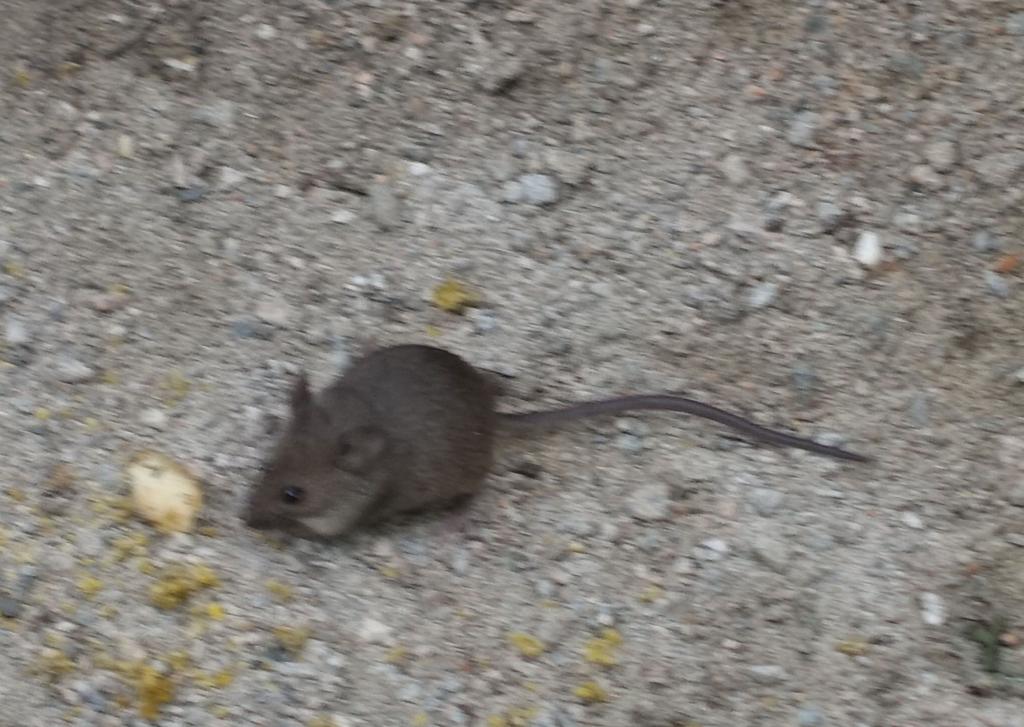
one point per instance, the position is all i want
(256, 519)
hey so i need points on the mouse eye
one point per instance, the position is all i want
(293, 495)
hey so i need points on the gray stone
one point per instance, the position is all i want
(539, 189)
(72, 371)
(1015, 23)
(768, 674)
(985, 241)
(385, 207)
(941, 155)
(999, 168)
(810, 716)
(997, 284)
(274, 310)
(763, 295)
(735, 170)
(219, 113)
(771, 552)
(15, 331)
(765, 500)
(650, 502)
(803, 130)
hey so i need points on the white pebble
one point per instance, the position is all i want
(912, 520)
(868, 249)
(153, 418)
(933, 610)
(343, 216)
(375, 632)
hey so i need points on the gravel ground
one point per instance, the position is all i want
(806, 212)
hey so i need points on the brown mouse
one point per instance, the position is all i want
(412, 427)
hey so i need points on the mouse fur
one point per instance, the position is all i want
(412, 427)
(405, 428)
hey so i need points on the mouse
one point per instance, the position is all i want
(412, 427)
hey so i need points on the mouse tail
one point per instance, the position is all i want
(667, 402)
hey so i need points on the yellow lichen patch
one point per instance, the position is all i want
(322, 720)
(292, 640)
(420, 719)
(591, 692)
(453, 297)
(61, 479)
(53, 664)
(529, 646)
(90, 586)
(175, 388)
(389, 571)
(852, 647)
(515, 717)
(16, 493)
(218, 680)
(215, 611)
(164, 492)
(279, 591)
(397, 655)
(601, 650)
(22, 78)
(651, 593)
(154, 690)
(132, 545)
(178, 583)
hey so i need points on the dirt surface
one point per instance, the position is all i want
(805, 212)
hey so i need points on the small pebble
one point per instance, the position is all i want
(765, 500)
(375, 632)
(712, 549)
(343, 216)
(153, 418)
(803, 130)
(868, 249)
(912, 520)
(275, 311)
(650, 502)
(768, 674)
(230, 177)
(73, 371)
(9, 607)
(219, 113)
(384, 207)
(830, 216)
(193, 193)
(771, 552)
(985, 241)
(539, 189)
(810, 716)
(735, 170)
(996, 283)
(245, 328)
(1015, 23)
(265, 31)
(941, 155)
(933, 610)
(763, 295)
(15, 331)
(924, 176)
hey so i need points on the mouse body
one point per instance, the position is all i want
(405, 428)
(413, 427)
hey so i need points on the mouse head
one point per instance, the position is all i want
(327, 469)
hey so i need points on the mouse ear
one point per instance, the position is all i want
(302, 398)
(358, 449)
